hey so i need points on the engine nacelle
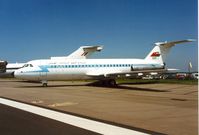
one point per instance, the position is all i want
(146, 67)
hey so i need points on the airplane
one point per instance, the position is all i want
(7, 69)
(83, 52)
(105, 70)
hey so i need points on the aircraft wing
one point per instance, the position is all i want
(172, 69)
(102, 73)
(115, 74)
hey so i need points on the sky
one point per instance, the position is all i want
(38, 29)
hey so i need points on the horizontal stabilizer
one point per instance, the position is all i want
(172, 43)
(92, 48)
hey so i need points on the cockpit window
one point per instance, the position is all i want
(25, 65)
(28, 65)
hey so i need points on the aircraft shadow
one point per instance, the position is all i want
(120, 86)
(97, 84)
(133, 88)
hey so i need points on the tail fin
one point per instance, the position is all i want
(161, 49)
(84, 52)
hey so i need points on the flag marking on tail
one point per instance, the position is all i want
(154, 55)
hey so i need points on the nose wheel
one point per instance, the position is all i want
(44, 83)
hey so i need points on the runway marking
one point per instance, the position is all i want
(84, 123)
(63, 104)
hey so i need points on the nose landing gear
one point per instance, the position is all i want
(44, 83)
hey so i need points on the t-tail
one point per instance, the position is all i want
(161, 49)
(84, 52)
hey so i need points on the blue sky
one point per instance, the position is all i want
(34, 29)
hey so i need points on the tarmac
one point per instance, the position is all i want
(160, 108)
(18, 122)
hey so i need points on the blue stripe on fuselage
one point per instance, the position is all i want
(44, 68)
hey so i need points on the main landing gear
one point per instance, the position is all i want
(109, 83)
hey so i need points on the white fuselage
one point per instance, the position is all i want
(77, 69)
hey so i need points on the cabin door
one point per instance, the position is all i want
(43, 75)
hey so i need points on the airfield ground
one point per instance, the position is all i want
(163, 108)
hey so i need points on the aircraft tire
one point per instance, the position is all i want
(112, 83)
(44, 84)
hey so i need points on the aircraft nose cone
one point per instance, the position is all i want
(15, 74)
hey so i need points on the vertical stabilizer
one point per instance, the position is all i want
(161, 49)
